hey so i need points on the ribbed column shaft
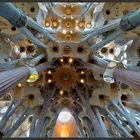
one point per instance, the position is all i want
(95, 123)
(42, 116)
(129, 77)
(10, 78)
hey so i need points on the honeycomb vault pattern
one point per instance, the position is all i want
(83, 58)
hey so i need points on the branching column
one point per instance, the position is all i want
(42, 116)
(99, 132)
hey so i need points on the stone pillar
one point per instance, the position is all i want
(10, 78)
(97, 128)
(90, 127)
(42, 116)
(75, 115)
(129, 77)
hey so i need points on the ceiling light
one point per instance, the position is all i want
(49, 80)
(71, 17)
(19, 85)
(76, 28)
(61, 92)
(82, 72)
(82, 81)
(68, 37)
(61, 60)
(88, 25)
(55, 23)
(64, 31)
(68, 11)
(70, 60)
(47, 24)
(49, 72)
(81, 24)
(32, 78)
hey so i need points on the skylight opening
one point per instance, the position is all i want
(64, 116)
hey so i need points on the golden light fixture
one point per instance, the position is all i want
(61, 92)
(89, 25)
(55, 23)
(19, 85)
(71, 17)
(81, 24)
(70, 60)
(32, 78)
(47, 23)
(64, 31)
(82, 81)
(49, 72)
(68, 37)
(76, 28)
(68, 11)
(49, 80)
(61, 60)
(71, 32)
(82, 72)
(68, 24)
